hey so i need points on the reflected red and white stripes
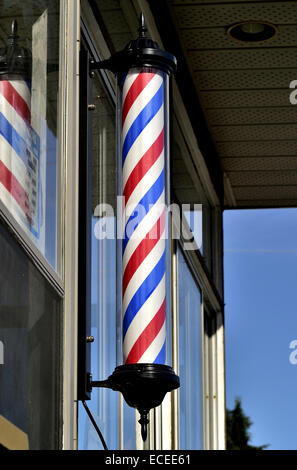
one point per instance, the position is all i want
(15, 138)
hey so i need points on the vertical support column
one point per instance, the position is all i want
(85, 228)
(221, 392)
(220, 328)
(69, 150)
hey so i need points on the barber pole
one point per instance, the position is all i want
(143, 71)
(144, 299)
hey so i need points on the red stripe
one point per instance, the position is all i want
(144, 164)
(12, 185)
(15, 100)
(147, 336)
(144, 248)
(136, 88)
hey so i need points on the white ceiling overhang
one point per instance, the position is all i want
(244, 92)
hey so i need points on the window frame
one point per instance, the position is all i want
(64, 283)
(55, 278)
(179, 248)
(99, 50)
(31, 250)
(69, 148)
(212, 343)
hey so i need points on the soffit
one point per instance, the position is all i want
(244, 92)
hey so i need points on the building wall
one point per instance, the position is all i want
(41, 281)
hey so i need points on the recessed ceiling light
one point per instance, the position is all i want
(252, 31)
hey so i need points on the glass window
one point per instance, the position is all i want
(189, 193)
(129, 427)
(189, 335)
(30, 337)
(29, 91)
(194, 218)
(104, 403)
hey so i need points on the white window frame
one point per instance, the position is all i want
(213, 361)
(69, 148)
(100, 51)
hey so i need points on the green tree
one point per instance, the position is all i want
(238, 425)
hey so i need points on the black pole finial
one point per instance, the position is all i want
(15, 59)
(143, 422)
(141, 52)
(142, 29)
(13, 37)
(14, 28)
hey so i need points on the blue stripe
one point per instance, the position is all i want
(143, 293)
(142, 120)
(21, 148)
(143, 207)
(123, 78)
(13, 138)
(160, 359)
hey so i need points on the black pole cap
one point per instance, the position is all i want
(143, 386)
(15, 60)
(141, 52)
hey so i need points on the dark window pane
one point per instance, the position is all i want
(30, 336)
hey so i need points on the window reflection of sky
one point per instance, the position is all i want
(260, 247)
(51, 200)
(194, 219)
(189, 300)
(104, 404)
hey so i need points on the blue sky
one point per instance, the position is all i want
(261, 321)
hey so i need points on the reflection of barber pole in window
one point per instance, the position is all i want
(144, 299)
(19, 154)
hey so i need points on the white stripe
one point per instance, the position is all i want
(143, 142)
(13, 162)
(150, 355)
(131, 77)
(144, 317)
(22, 88)
(144, 186)
(12, 205)
(16, 121)
(144, 228)
(140, 216)
(141, 101)
(142, 272)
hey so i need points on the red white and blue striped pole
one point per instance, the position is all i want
(143, 70)
(144, 261)
(18, 141)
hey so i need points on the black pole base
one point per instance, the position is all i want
(143, 386)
